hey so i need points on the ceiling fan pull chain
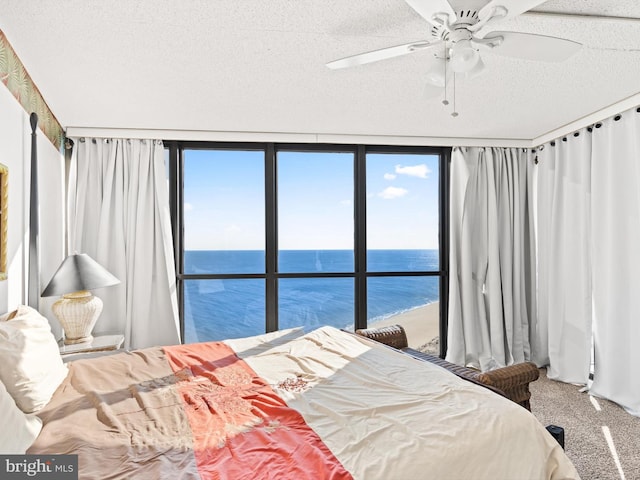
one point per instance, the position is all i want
(445, 101)
(454, 114)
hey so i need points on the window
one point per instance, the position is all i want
(273, 236)
(403, 226)
(223, 234)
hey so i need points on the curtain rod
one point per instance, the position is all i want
(576, 133)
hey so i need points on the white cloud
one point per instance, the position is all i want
(187, 207)
(345, 202)
(420, 171)
(233, 228)
(389, 176)
(390, 193)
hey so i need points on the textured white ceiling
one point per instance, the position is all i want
(259, 66)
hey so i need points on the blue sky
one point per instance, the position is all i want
(224, 200)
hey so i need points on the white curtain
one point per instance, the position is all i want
(118, 211)
(492, 275)
(563, 330)
(584, 194)
(616, 260)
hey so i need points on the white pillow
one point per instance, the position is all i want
(18, 429)
(30, 364)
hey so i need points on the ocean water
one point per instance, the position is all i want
(216, 309)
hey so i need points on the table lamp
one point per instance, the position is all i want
(78, 309)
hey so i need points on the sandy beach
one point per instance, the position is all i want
(421, 324)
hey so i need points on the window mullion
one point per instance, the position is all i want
(360, 240)
(445, 164)
(271, 240)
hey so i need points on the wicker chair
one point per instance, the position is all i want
(511, 382)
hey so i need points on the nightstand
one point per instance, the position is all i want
(100, 343)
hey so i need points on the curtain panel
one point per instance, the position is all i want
(564, 258)
(615, 230)
(118, 213)
(492, 257)
(588, 233)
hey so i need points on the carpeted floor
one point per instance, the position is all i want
(587, 422)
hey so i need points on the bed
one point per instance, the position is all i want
(326, 404)
(511, 381)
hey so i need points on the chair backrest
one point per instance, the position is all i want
(393, 335)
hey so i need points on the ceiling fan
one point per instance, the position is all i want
(457, 38)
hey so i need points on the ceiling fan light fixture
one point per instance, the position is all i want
(436, 75)
(475, 71)
(464, 57)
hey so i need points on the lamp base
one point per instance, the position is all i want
(73, 341)
(77, 313)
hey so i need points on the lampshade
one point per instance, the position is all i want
(79, 272)
(78, 310)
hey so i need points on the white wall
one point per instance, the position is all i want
(15, 153)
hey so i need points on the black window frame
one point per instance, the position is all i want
(271, 275)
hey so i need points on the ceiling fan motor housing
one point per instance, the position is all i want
(449, 32)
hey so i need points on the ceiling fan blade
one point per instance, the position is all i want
(382, 54)
(428, 9)
(531, 46)
(512, 7)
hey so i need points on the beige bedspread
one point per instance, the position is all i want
(327, 398)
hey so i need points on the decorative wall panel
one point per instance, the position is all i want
(19, 83)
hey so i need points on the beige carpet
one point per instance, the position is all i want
(585, 429)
